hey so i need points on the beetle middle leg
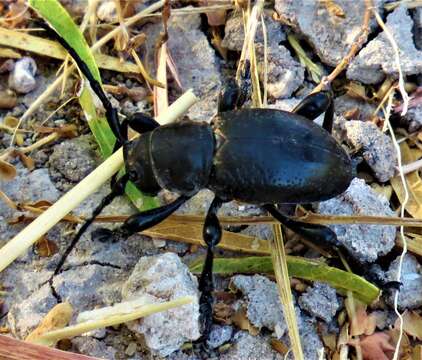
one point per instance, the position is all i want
(212, 233)
(314, 105)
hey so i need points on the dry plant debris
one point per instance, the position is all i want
(149, 56)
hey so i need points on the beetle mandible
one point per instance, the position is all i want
(258, 156)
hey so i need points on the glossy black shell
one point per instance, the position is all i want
(273, 156)
(177, 157)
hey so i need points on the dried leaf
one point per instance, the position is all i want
(45, 247)
(9, 53)
(8, 99)
(279, 346)
(375, 346)
(27, 161)
(58, 317)
(330, 341)
(223, 313)
(334, 9)
(241, 320)
(17, 14)
(362, 323)
(7, 171)
(11, 121)
(412, 324)
(414, 185)
(356, 90)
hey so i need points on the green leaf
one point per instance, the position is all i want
(54, 13)
(298, 267)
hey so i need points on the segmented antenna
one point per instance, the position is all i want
(111, 112)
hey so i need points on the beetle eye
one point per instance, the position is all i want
(133, 176)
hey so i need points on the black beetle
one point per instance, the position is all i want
(259, 156)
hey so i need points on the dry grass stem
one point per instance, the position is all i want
(402, 210)
(250, 32)
(282, 276)
(110, 35)
(353, 49)
(396, 50)
(113, 320)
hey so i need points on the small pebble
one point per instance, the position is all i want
(22, 78)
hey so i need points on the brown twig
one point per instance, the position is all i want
(356, 46)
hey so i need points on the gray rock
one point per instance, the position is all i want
(285, 74)
(92, 347)
(378, 148)
(345, 103)
(163, 278)
(330, 36)
(219, 335)
(410, 294)
(312, 345)
(196, 62)
(414, 118)
(417, 18)
(25, 316)
(22, 78)
(376, 60)
(263, 304)
(26, 187)
(72, 160)
(251, 347)
(86, 287)
(234, 33)
(364, 242)
(320, 301)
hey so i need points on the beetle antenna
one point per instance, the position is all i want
(117, 190)
(111, 112)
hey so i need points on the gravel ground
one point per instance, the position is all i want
(248, 318)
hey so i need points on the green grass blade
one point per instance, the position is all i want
(298, 267)
(54, 13)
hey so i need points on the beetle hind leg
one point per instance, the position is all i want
(319, 234)
(212, 235)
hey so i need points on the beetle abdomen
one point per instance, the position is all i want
(273, 156)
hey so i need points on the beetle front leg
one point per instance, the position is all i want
(140, 222)
(212, 235)
(314, 105)
(141, 123)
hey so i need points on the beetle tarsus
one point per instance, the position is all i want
(319, 234)
(117, 190)
(212, 233)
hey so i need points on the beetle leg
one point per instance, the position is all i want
(212, 235)
(141, 123)
(140, 222)
(111, 112)
(117, 190)
(314, 105)
(316, 233)
(235, 93)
